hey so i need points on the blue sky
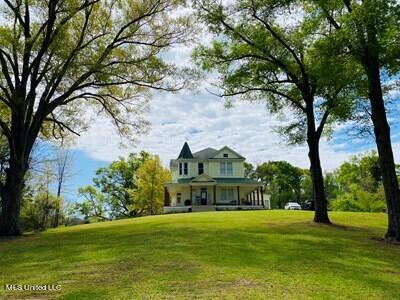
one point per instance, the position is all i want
(84, 168)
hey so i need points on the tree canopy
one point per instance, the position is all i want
(61, 57)
(368, 33)
(128, 187)
(281, 180)
(261, 58)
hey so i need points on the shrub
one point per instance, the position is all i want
(359, 200)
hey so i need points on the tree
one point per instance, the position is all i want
(94, 205)
(118, 182)
(151, 177)
(306, 185)
(38, 212)
(248, 170)
(357, 199)
(259, 58)
(281, 180)
(363, 171)
(331, 185)
(59, 57)
(128, 187)
(358, 184)
(63, 172)
(368, 32)
(39, 205)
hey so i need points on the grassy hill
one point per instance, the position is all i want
(213, 255)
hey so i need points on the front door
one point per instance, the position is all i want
(203, 197)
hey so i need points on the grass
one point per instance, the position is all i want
(212, 255)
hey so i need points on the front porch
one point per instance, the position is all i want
(211, 196)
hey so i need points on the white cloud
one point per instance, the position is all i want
(201, 119)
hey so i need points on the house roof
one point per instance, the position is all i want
(185, 152)
(227, 148)
(222, 180)
(205, 153)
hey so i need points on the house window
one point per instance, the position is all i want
(226, 168)
(178, 198)
(183, 168)
(226, 195)
(201, 168)
(226, 155)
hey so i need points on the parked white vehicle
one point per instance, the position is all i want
(292, 206)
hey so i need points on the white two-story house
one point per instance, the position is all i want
(213, 178)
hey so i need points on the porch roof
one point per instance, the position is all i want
(221, 180)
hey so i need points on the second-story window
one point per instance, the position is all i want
(183, 168)
(226, 169)
(201, 168)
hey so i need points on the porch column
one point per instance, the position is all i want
(191, 200)
(238, 193)
(262, 196)
(214, 195)
(258, 196)
(167, 201)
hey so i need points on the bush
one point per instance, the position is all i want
(359, 200)
(38, 213)
(344, 203)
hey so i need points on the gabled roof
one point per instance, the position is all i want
(205, 153)
(227, 148)
(203, 178)
(185, 152)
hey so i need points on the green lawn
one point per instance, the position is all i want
(213, 255)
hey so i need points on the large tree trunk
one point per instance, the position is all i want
(313, 137)
(20, 148)
(11, 201)
(382, 134)
(321, 209)
(384, 145)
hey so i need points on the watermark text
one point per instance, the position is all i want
(32, 287)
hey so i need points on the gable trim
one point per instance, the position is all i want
(226, 148)
(209, 178)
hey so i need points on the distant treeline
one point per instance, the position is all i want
(356, 185)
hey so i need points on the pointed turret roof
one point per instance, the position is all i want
(185, 152)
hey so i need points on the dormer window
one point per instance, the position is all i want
(225, 155)
(183, 168)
